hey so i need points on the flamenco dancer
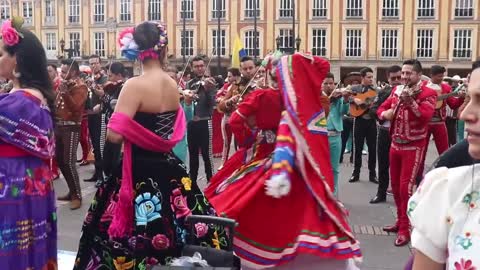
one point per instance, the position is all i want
(139, 221)
(257, 190)
(27, 200)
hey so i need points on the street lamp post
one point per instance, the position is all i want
(255, 45)
(292, 39)
(218, 35)
(184, 38)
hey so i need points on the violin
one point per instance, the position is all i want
(112, 87)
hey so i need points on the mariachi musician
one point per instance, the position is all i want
(199, 131)
(116, 78)
(238, 90)
(364, 127)
(95, 124)
(69, 103)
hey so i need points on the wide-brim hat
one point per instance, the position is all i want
(352, 76)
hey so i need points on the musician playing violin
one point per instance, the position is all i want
(70, 103)
(243, 86)
(116, 78)
(93, 107)
(409, 109)
(203, 89)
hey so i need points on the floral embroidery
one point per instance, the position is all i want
(411, 207)
(179, 205)
(201, 229)
(187, 183)
(122, 264)
(471, 199)
(464, 242)
(160, 241)
(464, 265)
(147, 208)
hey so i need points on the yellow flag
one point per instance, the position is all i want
(237, 52)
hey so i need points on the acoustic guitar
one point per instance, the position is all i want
(368, 98)
(441, 98)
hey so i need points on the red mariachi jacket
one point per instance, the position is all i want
(453, 102)
(410, 122)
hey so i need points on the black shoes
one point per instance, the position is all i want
(373, 179)
(354, 178)
(378, 199)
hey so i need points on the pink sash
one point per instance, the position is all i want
(134, 133)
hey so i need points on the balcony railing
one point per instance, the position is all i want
(215, 14)
(50, 20)
(462, 54)
(354, 13)
(250, 13)
(389, 54)
(354, 54)
(463, 13)
(319, 13)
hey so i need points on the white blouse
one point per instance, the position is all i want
(445, 215)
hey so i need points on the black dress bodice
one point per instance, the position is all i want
(159, 123)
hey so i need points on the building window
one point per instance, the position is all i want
(426, 8)
(319, 46)
(464, 8)
(354, 43)
(154, 10)
(74, 41)
(319, 8)
(286, 39)
(49, 11)
(286, 8)
(51, 39)
(4, 10)
(99, 11)
(187, 47)
(74, 11)
(215, 9)
(390, 9)
(462, 43)
(425, 43)
(389, 43)
(354, 8)
(252, 48)
(222, 49)
(99, 43)
(27, 8)
(187, 10)
(252, 9)
(125, 10)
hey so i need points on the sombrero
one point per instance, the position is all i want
(352, 76)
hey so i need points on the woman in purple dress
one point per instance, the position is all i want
(28, 232)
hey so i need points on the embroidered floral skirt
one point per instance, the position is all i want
(164, 197)
(28, 226)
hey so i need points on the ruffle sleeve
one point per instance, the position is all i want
(428, 212)
(26, 124)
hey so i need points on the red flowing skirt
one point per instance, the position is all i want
(273, 231)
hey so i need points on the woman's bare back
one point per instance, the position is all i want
(158, 92)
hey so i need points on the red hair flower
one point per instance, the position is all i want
(10, 35)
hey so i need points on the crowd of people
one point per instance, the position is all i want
(289, 120)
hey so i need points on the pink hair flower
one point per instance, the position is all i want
(10, 36)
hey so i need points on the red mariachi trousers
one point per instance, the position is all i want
(84, 138)
(405, 161)
(440, 136)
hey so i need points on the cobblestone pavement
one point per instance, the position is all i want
(366, 219)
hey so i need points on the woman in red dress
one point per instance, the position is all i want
(280, 192)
